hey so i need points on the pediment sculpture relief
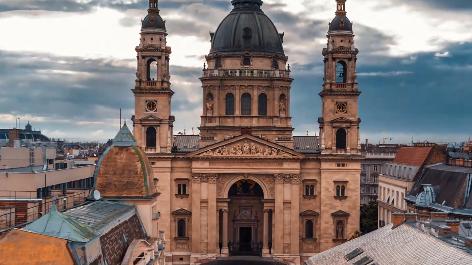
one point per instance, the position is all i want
(246, 149)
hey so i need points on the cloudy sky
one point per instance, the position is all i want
(68, 65)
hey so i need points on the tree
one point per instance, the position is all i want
(369, 217)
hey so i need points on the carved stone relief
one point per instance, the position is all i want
(246, 149)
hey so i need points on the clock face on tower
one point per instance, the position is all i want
(151, 105)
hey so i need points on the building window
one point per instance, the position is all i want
(182, 188)
(218, 62)
(229, 104)
(246, 61)
(340, 189)
(246, 104)
(309, 190)
(151, 137)
(262, 104)
(275, 64)
(341, 139)
(309, 229)
(376, 168)
(340, 227)
(152, 69)
(181, 228)
(341, 72)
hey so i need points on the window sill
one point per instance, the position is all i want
(339, 240)
(309, 240)
(340, 198)
(182, 238)
(182, 196)
(309, 197)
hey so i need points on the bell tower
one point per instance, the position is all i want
(153, 122)
(339, 124)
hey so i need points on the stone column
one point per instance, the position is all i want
(278, 234)
(212, 216)
(265, 248)
(196, 193)
(225, 250)
(295, 215)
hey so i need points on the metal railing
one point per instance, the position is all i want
(15, 214)
(252, 73)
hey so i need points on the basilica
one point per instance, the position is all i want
(245, 185)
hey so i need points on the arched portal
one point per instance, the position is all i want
(246, 218)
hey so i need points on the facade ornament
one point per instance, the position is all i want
(296, 179)
(246, 149)
(283, 106)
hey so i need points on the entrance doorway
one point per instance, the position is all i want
(246, 218)
(245, 239)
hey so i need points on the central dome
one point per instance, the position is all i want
(247, 29)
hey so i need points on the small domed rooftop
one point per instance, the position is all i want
(153, 21)
(247, 29)
(340, 22)
(124, 171)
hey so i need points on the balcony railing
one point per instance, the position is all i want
(251, 73)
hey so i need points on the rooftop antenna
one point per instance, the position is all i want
(120, 118)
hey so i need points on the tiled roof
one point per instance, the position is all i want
(412, 156)
(404, 245)
(306, 144)
(451, 185)
(302, 144)
(186, 143)
(124, 137)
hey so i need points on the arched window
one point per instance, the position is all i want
(229, 104)
(309, 229)
(341, 140)
(340, 229)
(246, 104)
(338, 191)
(262, 104)
(341, 72)
(181, 228)
(152, 70)
(151, 137)
(343, 191)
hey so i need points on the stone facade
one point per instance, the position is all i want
(245, 188)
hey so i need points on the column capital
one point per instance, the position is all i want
(296, 179)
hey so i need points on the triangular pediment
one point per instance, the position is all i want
(150, 117)
(309, 213)
(246, 146)
(182, 212)
(340, 213)
(341, 120)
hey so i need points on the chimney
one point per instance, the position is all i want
(444, 230)
(398, 219)
(438, 216)
(454, 225)
(13, 136)
(410, 217)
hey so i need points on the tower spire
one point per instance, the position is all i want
(341, 9)
(153, 4)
